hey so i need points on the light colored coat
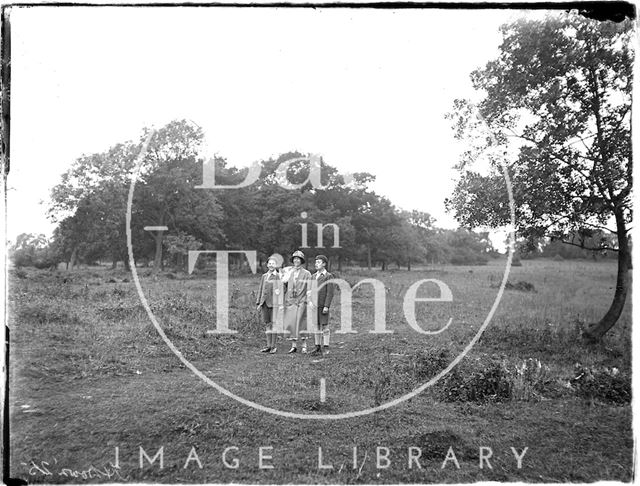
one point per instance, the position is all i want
(295, 300)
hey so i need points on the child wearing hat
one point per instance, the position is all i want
(269, 302)
(324, 298)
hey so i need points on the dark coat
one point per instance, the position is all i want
(325, 296)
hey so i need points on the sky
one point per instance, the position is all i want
(366, 89)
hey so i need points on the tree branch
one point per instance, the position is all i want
(597, 226)
(553, 156)
(571, 243)
(568, 164)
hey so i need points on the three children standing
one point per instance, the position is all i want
(293, 295)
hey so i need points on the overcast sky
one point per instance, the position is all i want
(367, 89)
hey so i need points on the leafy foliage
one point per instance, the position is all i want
(90, 202)
(31, 250)
(602, 383)
(556, 113)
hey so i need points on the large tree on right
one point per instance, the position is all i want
(555, 110)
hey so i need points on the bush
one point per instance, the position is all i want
(488, 382)
(18, 273)
(529, 379)
(429, 363)
(464, 256)
(521, 286)
(606, 384)
(493, 380)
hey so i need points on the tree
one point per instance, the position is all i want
(90, 204)
(468, 247)
(32, 250)
(557, 103)
(166, 193)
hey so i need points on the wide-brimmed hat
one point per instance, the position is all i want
(298, 254)
(323, 258)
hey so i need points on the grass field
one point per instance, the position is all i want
(89, 374)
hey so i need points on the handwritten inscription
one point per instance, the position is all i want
(46, 468)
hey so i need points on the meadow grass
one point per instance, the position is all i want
(89, 373)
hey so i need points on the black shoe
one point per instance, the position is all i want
(292, 350)
(316, 351)
(265, 350)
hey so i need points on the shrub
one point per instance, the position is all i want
(429, 363)
(496, 380)
(41, 313)
(488, 382)
(18, 273)
(529, 379)
(464, 256)
(606, 384)
(521, 286)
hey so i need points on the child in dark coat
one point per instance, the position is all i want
(325, 296)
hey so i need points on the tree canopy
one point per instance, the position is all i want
(555, 110)
(89, 205)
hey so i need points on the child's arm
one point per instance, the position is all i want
(329, 297)
(260, 290)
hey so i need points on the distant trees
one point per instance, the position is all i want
(588, 243)
(33, 250)
(89, 206)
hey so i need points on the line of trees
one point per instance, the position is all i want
(89, 207)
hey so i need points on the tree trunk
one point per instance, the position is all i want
(125, 260)
(368, 257)
(73, 258)
(180, 262)
(114, 263)
(596, 331)
(409, 265)
(157, 262)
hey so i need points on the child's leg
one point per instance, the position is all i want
(326, 335)
(272, 339)
(268, 334)
(295, 336)
(269, 322)
(265, 318)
